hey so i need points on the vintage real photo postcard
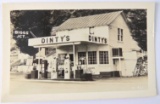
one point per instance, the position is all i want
(78, 51)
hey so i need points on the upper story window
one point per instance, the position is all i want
(120, 34)
(91, 30)
(116, 52)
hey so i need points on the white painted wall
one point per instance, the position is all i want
(130, 63)
(98, 31)
(128, 42)
(102, 31)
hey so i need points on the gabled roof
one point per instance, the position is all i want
(89, 21)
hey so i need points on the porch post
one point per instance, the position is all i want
(74, 54)
(74, 59)
(87, 56)
(54, 69)
(38, 66)
(56, 58)
(120, 66)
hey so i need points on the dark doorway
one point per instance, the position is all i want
(71, 59)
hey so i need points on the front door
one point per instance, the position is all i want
(116, 64)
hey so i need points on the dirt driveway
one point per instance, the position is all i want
(20, 85)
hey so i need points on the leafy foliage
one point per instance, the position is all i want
(138, 24)
(40, 23)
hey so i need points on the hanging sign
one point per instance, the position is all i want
(67, 39)
(20, 34)
(55, 39)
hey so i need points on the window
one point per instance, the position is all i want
(91, 30)
(92, 57)
(103, 57)
(120, 34)
(82, 57)
(116, 52)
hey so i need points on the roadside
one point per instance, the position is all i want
(21, 77)
(22, 86)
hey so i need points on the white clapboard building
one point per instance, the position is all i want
(102, 43)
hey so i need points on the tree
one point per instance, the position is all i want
(138, 25)
(35, 21)
(41, 22)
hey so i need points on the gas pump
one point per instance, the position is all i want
(39, 68)
(67, 68)
(54, 69)
(44, 68)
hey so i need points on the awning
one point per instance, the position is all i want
(66, 40)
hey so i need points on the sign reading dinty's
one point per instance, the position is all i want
(55, 39)
(97, 39)
(67, 39)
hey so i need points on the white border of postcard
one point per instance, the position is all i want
(6, 97)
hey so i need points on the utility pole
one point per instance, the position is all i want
(32, 34)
